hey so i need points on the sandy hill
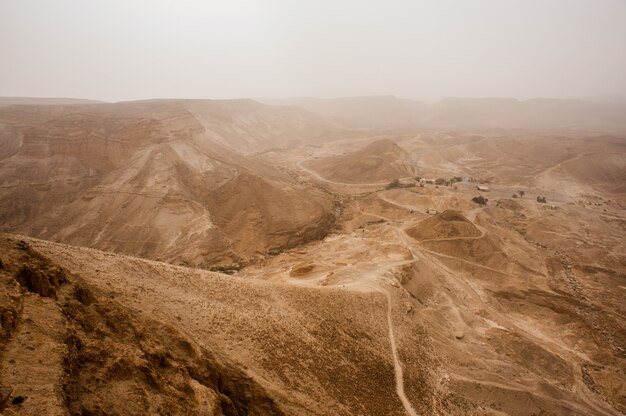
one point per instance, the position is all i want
(172, 340)
(448, 224)
(381, 160)
(452, 234)
(265, 215)
(144, 178)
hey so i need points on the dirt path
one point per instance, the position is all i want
(320, 178)
(371, 281)
(372, 214)
(473, 237)
(559, 165)
(465, 261)
(404, 206)
(471, 214)
(397, 366)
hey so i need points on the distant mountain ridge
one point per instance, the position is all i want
(45, 101)
(601, 114)
(370, 111)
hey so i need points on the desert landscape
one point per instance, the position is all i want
(233, 257)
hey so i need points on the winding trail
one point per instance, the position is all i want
(396, 362)
(471, 263)
(372, 214)
(483, 233)
(404, 206)
(371, 281)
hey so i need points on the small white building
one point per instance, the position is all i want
(482, 188)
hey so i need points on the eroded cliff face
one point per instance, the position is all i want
(149, 179)
(68, 348)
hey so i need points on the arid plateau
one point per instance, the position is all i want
(362, 256)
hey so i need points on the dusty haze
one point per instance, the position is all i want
(427, 50)
(290, 208)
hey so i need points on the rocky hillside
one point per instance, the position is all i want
(154, 178)
(382, 160)
(81, 337)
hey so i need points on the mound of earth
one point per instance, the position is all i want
(510, 204)
(448, 224)
(382, 160)
(451, 234)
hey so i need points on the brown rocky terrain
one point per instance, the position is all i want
(89, 174)
(380, 161)
(344, 296)
(177, 340)
(449, 224)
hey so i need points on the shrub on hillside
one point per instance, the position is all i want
(393, 184)
(480, 200)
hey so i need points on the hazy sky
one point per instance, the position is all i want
(132, 49)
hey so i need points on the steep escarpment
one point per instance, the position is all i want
(67, 347)
(152, 179)
(262, 214)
